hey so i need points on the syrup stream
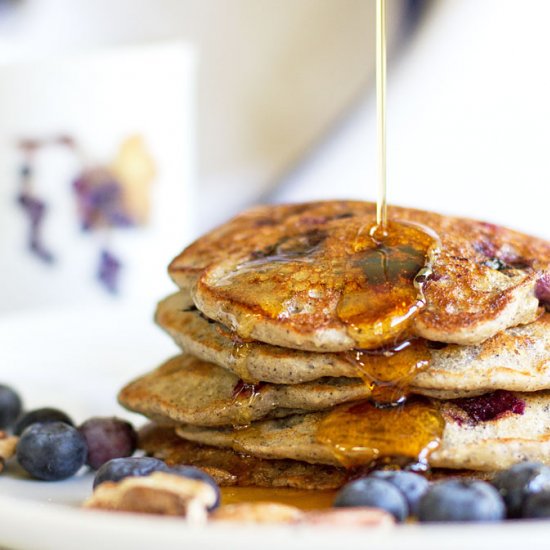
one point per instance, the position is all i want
(381, 204)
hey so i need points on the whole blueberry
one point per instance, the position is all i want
(412, 485)
(43, 415)
(10, 407)
(196, 473)
(461, 500)
(51, 451)
(119, 468)
(520, 481)
(108, 438)
(377, 493)
(537, 505)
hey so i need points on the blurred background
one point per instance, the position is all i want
(209, 106)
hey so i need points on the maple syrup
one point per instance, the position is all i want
(389, 372)
(381, 204)
(376, 272)
(383, 290)
(244, 396)
(239, 361)
(396, 263)
(362, 433)
(301, 498)
(373, 275)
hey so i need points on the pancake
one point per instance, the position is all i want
(486, 445)
(188, 390)
(517, 359)
(229, 468)
(273, 274)
(254, 360)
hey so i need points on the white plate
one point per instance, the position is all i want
(77, 360)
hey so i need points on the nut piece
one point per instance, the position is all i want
(158, 493)
(8, 445)
(349, 517)
(257, 512)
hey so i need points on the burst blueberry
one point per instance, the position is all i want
(413, 486)
(461, 501)
(108, 438)
(44, 415)
(10, 407)
(51, 451)
(373, 492)
(519, 482)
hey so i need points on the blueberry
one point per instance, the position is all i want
(108, 438)
(196, 473)
(10, 407)
(51, 451)
(378, 493)
(520, 481)
(537, 505)
(119, 468)
(461, 500)
(412, 485)
(46, 414)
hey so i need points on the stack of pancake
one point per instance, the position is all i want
(314, 347)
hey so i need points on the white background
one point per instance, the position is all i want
(100, 99)
(468, 121)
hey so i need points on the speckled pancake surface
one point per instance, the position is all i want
(188, 390)
(484, 278)
(486, 445)
(517, 359)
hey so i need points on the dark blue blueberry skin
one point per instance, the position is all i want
(537, 505)
(461, 501)
(520, 481)
(46, 414)
(412, 485)
(119, 468)
(376, 493)
(196, 473)
(51, 451)
(108, 438)
(10, 407)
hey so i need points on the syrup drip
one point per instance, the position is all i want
(389, 372)
(361, 434)
(240, 351)
(244, 396)
(239, 360)
(384, 290)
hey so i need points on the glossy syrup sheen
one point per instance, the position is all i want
(244, 396)
(301, 498)
(362, 433)
(356, 274)
(389, 372)
(384, 293)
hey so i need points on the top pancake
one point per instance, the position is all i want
(484, 277)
